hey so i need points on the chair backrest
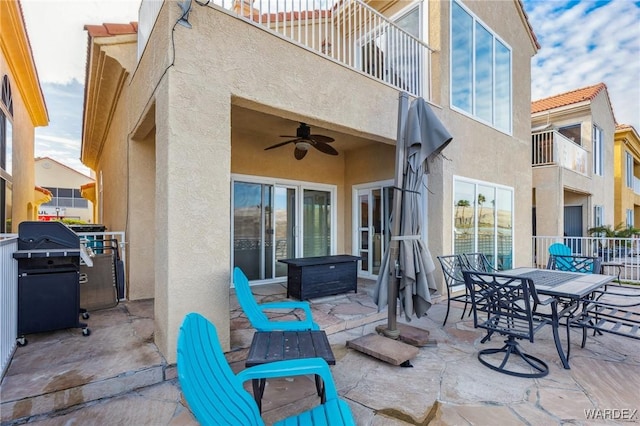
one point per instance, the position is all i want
(246, 300)
(503, 303)
(581, 264)
(560, 249)
(214, 394)
(452, 269)
(477, 262)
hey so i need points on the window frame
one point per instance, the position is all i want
(473, 99)
(497, 188)
(598, 154)
(629, 169)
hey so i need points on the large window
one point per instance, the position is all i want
(629, 170)
(66, 197)
(483, 220)
(6, 154)
(480, 70)
(598, 156)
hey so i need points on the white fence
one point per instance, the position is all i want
(618, 255)
(8, 300)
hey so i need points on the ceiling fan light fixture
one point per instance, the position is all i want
(303, 145)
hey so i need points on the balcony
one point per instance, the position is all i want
(345, 31)
(550, 148)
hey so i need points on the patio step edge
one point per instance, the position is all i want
(56, 402)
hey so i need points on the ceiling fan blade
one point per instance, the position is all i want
(288, 136)
(321, 138)
(327, 149)
(299, 153)
(281, 144)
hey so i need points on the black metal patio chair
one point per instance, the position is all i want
(477, 262)
(452, 270)
(506, 305)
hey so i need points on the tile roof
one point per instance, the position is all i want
(108, 30)
(568, 98)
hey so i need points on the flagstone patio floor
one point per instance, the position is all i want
(117, 376)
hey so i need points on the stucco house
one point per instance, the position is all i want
(22, 109)
(627, 176)
(65, 185)
(573, 162)
(181, 106)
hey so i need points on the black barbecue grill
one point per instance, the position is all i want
(48, 258)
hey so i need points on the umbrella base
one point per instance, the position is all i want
(415, 336)
(388, 350)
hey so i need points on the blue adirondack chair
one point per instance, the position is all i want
(216, 395)
(559, 249)
(256, 312)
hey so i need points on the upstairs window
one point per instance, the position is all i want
(629, 170)
(598, 155)
(572, 133)
(480, 70)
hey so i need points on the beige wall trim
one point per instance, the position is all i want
(17, 51)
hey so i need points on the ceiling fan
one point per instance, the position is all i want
(304, 139)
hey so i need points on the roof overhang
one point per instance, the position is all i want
(104, 81)
(88, 191)
(16, 49)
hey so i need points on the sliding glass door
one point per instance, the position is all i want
(273, 221)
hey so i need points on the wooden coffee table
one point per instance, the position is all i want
(270, 346)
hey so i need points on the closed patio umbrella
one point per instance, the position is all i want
(407, 268)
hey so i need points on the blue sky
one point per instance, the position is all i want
(588, 42)
(583, 43)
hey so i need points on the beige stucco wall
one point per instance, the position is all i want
(187, 103)
(23, 152)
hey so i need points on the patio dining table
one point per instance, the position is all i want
(565, 286)
(569, 288)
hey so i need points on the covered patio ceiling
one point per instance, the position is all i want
(265, 129)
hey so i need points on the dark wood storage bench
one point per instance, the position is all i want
(309, 277)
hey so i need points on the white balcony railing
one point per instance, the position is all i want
(552, 148)
(8, 300)
(346, 31)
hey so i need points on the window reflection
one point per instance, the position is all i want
(483, 221)
(480, 70)
(484, 74)
(461, 58)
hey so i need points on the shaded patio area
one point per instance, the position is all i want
(117, 375)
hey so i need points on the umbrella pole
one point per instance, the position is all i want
(394, 244)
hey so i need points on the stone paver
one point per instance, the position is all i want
(117, 376)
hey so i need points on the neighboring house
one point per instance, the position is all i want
(572, 158)
(22, 108)
(65, 185)
(627, 176)
(179, 111)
